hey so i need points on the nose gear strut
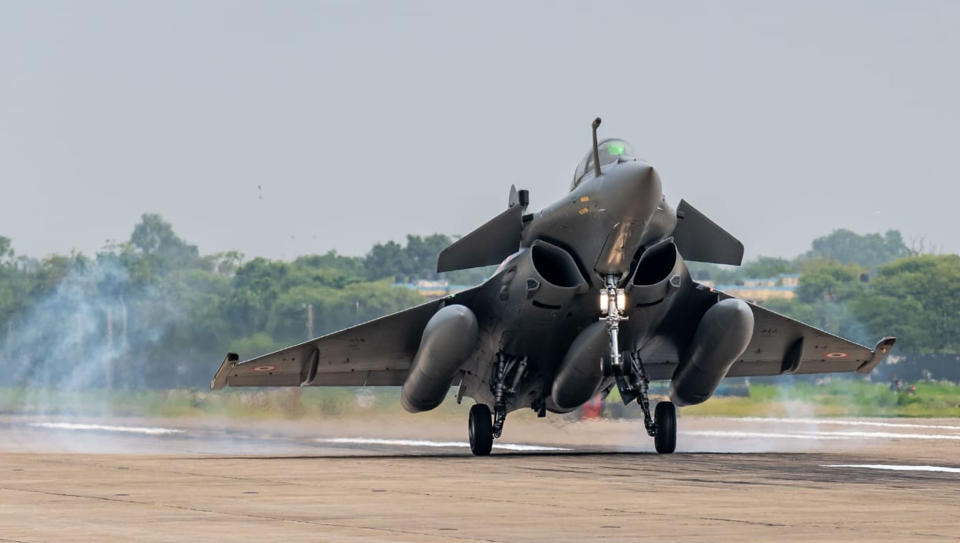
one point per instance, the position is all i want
(634, 384)
(613, 318)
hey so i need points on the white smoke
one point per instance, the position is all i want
(91, 335)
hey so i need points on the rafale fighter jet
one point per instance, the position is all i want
(591, 293)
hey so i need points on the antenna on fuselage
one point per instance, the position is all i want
(596, 148)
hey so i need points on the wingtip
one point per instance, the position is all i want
(879, 353)
(220, 378)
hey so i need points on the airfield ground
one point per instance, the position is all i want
(732, 480)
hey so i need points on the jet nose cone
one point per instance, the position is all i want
(636, 186)
(631, 194)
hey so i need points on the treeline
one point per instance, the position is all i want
(153, 311)
(865, 286)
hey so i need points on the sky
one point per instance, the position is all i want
(284, 128)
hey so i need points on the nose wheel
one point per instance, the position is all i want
(481, 430)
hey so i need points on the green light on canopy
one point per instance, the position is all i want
(615, 149)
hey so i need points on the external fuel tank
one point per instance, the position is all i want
(448, 338)
(723, 334)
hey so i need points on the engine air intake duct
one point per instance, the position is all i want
(655, 272)
(550, 275)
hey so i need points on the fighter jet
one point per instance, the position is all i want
(591, 293)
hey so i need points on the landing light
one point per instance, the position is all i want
(605, 301)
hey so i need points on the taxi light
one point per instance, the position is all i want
(621, 301)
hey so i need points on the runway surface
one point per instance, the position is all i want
(413, 479)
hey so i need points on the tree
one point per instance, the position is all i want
(918, 299)
(829, 281)
(386, 260)
(422, 254)
(6, 249)
(161, 249)
(768, 266)
(869, 250)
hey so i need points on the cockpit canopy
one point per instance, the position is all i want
(611, 150)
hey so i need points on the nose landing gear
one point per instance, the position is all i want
(632, 382)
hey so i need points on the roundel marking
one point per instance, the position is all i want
(266, 367)
(836, 355)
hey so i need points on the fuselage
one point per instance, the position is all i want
(546, 296)
(605, 220)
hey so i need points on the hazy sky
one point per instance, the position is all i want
(363, 121)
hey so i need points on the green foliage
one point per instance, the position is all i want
(863, 287)
(869, 251)
(768, 266)
(830, 281)
(761, 267)
(917, 299)
(417, 260)
(6, 248)
(185, 310)
(838, 398)
(255, 344)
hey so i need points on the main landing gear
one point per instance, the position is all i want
(481, 430)
(508, 371)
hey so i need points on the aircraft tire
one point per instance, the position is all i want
(665, 417)
(481, 430)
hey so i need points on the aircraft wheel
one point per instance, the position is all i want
(665, 418)
(481, 430)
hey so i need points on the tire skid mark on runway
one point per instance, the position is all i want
(827, 435)
(443, 537)
(586, 508)
(147, 430)
(890, 435)
(895, 467)
(842, 422)
(762, 435)
(519, 447)
(582, 508)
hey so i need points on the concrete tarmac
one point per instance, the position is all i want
(733, 480)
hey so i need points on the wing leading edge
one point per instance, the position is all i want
(374, 353)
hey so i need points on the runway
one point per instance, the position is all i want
(384, 480)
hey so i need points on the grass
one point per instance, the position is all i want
(837, 398)
(289, 403)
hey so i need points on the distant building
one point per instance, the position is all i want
(433, 289)
(781, 287)
(791, 280)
